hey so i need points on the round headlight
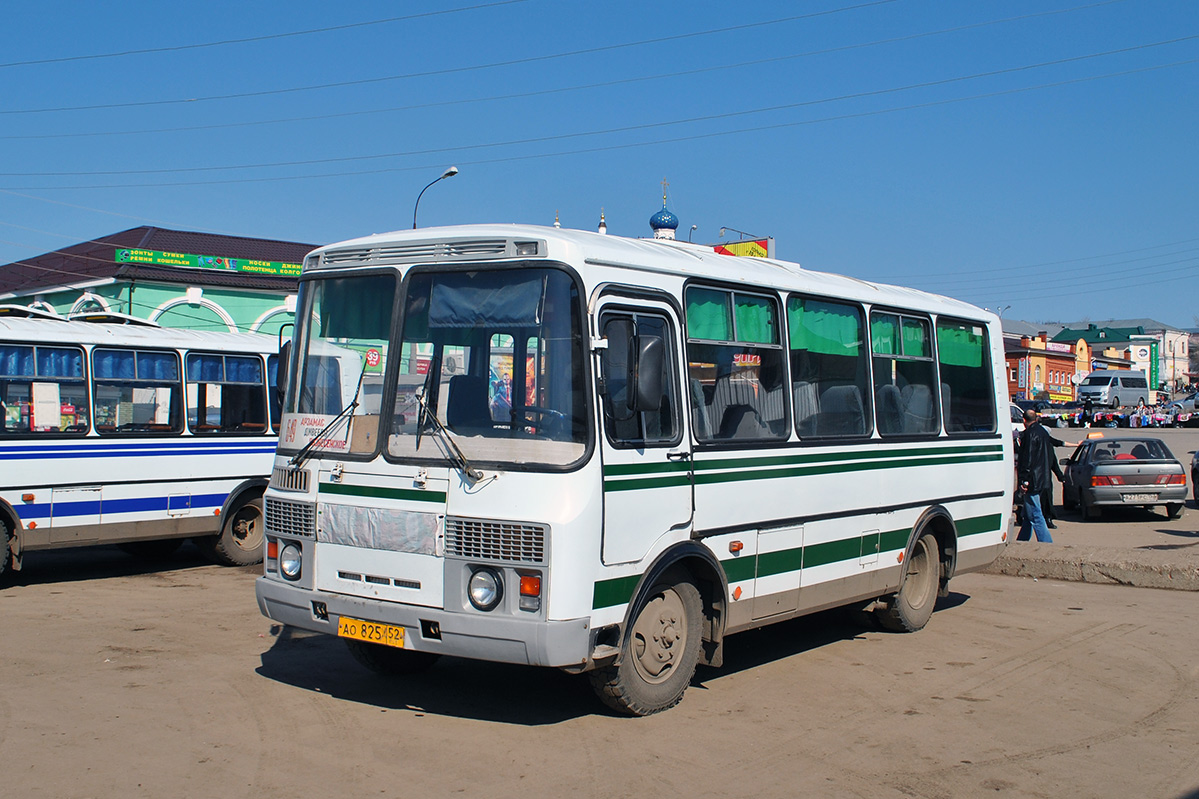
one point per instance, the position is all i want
(290, 561)
(485, 589)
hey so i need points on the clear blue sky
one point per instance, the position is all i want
(1039, 155)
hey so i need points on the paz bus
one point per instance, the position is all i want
(118, 431)
(607, 455)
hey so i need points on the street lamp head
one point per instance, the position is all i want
(449, 173)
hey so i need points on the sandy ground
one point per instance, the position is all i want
(122, 679)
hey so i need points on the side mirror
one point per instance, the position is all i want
(281, 373)
(632, 370)
(648, 369)
(1064, 461)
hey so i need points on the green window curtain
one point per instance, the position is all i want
(756, 320)
(915, 339)
(960, 345)
(708, 315)
(884, 334)
(824, 327)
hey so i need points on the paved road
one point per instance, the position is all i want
(126, 681)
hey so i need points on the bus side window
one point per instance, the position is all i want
(136, 391)
(967, 389)
(225, 394)
(905, 379)
(830, 385)
(735, 366)
(42, 390)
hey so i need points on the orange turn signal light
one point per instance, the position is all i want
(27, 497)
(272, 549)
(530, 585)
(736, 546)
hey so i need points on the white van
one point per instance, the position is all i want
(1115, 388)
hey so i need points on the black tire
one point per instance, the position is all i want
(5, 551)
(1195, 486)
(910, 608)
(659, 654)
(390, 660)
(151, 550)
(1068, 502)
(241, 540)
(1173, 510)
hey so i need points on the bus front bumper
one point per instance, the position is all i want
(534, 641)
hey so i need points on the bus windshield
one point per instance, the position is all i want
(498, 356)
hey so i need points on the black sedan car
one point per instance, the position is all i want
(1104, 472)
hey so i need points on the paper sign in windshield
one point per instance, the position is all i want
(301, 428)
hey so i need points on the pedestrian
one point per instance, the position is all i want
(1088, 410)
(1034, 476)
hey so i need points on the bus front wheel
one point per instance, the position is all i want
(660, 652)
(910, 608)
(240, 541)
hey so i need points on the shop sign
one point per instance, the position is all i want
(189, 261)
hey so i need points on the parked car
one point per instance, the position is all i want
(1017, 420)
(1104, 472)
(1115, 388)
(1036, 405)
(1186, 404)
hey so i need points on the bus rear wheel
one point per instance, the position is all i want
(659, 655)
(5, 550)
(240, 541)
(910, 608)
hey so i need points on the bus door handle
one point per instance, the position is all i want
(678, 456)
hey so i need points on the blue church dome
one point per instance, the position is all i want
(664, 220)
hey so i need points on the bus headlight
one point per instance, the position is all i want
(290, 561)
(485, 589)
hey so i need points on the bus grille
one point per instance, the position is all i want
(485, 539)
(290, 518)
(290, 479)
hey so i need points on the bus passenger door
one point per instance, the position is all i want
(646, 455)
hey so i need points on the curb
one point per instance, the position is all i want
(1156, 568)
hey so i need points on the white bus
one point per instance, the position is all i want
(120, 432)
(624, 451)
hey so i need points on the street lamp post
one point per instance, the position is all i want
(449, 173)
(740, 233)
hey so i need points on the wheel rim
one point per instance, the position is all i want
(659, 637)
(921, 575)
(246, 528)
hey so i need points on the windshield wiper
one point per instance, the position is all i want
(298, 459)
(458, 458)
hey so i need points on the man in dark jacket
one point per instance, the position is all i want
(1034, 476)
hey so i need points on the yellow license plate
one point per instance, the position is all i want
(370, 631)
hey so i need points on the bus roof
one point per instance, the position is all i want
(63, 331)
(582, 249)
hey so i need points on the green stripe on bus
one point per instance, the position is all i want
(794, 471)
(801, 471)
(826, 457)
(648, 482)
(619, 591)
(621, 469)
(379, 492)
(980, 524)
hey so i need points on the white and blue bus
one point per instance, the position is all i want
(116, 431)
(607, 455)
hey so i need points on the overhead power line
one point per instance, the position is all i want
(249, 39)
(561, 90)
(454, 70)
(626, 128)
